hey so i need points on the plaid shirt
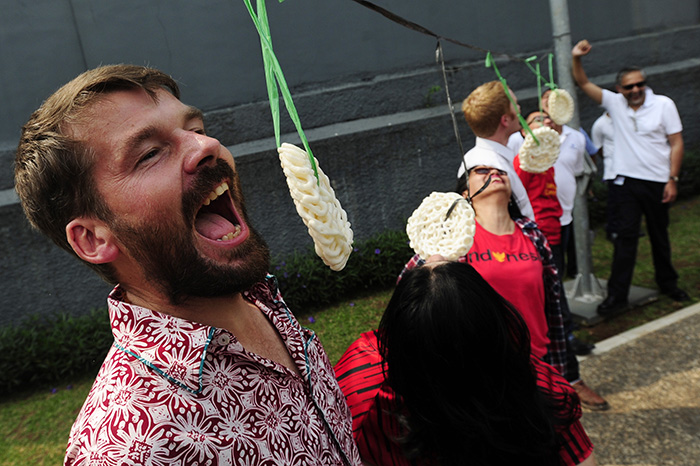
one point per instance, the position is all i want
(556, 351)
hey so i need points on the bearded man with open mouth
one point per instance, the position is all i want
(208, 365)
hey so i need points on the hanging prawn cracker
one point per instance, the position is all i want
(561, 106)
(536, 158)
(317, 206)
(444, 224)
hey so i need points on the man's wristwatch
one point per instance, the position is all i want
(673, 178)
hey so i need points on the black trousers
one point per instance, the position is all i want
(634, 199)
(611, 213)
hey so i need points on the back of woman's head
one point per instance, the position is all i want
(458, 354)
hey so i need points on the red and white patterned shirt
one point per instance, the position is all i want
(175, 392)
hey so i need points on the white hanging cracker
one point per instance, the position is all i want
(317, 206)
(561, 106)
(538, 159)
(431, 231)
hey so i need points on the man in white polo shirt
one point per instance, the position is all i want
(493, 117)
(648, 156)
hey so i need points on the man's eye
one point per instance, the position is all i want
(152, 153)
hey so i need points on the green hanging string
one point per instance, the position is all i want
(551, 83)
(537, 73)
(491, 63)
(274, 78)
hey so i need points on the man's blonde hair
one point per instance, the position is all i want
(484, 107)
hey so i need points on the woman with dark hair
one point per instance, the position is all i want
(459, 385)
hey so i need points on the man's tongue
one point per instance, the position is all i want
(212, 226)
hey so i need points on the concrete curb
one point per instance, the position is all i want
(637, 332)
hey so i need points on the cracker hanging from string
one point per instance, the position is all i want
(318, 207)
(309, 187)
(538, 158)
(561, 106)
(431, 230)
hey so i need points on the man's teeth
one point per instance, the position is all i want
(216, 193)
(230, 236)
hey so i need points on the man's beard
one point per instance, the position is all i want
(167, 254)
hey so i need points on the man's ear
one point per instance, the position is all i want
(505, 120)
(92, 240)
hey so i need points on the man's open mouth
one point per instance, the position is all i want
(217, 219)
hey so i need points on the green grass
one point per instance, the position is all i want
(34, 426)
(685, 223)
(338, 326)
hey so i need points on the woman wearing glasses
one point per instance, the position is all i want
(514, 257)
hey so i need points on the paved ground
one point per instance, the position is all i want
(651, 378)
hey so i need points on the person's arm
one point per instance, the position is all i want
(597, 139)
(677, 149)
(591, 90)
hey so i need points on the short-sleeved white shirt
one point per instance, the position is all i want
(602, 134)
(486, 148)
(568, 166)
(642, 149)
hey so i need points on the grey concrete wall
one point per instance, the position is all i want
(211, 46)
(363, 87)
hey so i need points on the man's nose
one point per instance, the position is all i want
(200, 150)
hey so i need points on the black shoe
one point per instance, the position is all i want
(581, 348)
(677, 294)
(611, 305)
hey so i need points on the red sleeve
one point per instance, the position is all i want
(522, 174)
(359, 373)
(371, 401)
(576, 446)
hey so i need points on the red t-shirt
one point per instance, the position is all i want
(511, 265)
(542, 191)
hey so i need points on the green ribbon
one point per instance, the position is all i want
(274, 78)
(551, 84)
(537, 73)
(491, 63)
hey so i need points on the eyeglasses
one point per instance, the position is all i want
(629, 87)
(486, 171)
(539, 118)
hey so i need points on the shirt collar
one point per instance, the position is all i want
(649, 99)
(173, 347)
(497, 147)
(525, 223)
